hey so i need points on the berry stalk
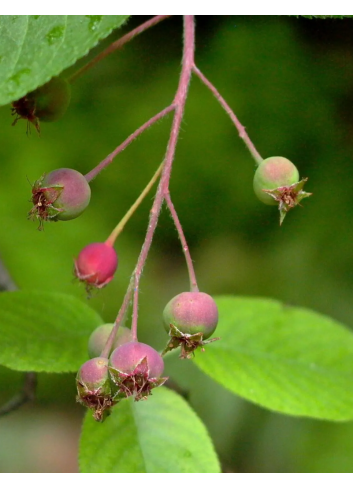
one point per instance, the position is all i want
(240, 128)
(117, 45)
(119, 228)
(119, 319)
(103, 164)
(189, 264)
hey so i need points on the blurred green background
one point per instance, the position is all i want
(290, 82)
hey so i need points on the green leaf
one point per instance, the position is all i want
(34, 48)
(161, 435)
(287, 359)
(44, 332)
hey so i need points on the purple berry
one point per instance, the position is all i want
(100, 335)
(96, 264)
(191, 313)
(60, 195)
(128, 359)
(93, 374)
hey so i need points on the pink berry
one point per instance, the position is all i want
(191, 313)
(60, 195)
(127, 359)
(96, 264)
(93, 374)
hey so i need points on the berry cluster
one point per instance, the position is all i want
(120, 366)
(131, 369)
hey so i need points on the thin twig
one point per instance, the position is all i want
(27, 394)
(103, 164)
(117, 45)
(240, 128)
(189, 264)
(119, 228)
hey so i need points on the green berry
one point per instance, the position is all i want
(100, 335)
(47, 103)
(272, 173)
(52, 99)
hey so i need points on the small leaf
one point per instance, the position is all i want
(287, 359)
(44, 332)
(160, 435)
(34, 48)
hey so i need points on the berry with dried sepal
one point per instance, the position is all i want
(190, 318)
(100, 335)
(276, 182)
(60, 195)
(94, 387)
(96, 265)
(47, 103)
(136, 369)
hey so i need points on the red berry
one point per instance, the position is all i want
(96, 264)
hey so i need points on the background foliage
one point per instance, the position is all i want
(290, 82)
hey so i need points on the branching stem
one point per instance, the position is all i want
(179, 103)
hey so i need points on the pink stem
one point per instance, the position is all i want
(108, 346)
(179, 104)
(103, 164)
(192, 276)
(241, 129)
(117, 45)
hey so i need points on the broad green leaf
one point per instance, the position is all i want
(287, 359)
(44, 332)
(161, 434)
(34, 48)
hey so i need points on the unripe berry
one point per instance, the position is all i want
(127, 359)
(191, 313)
(272, 173)
(47, 103)
(52, 99)
(96, 264)
(93, 374)
(60, 195)
(100, 335)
